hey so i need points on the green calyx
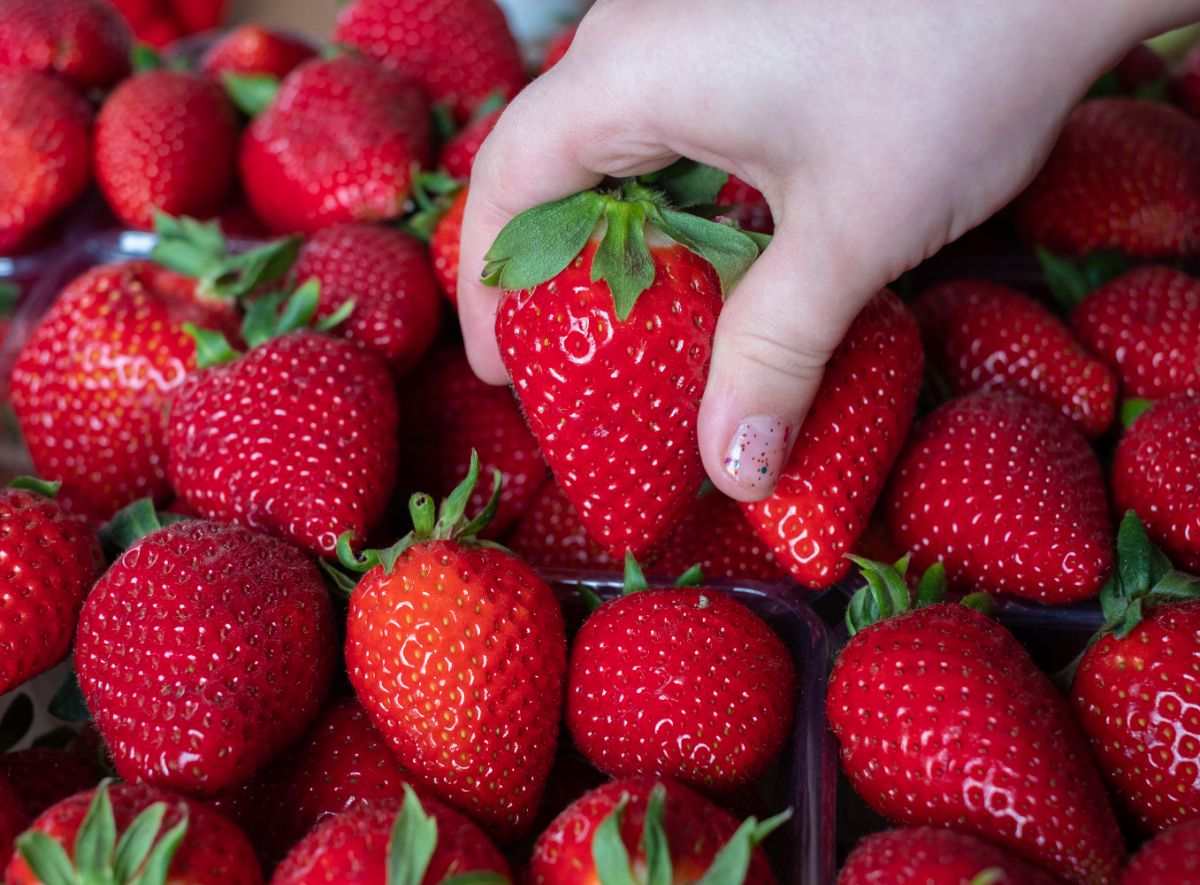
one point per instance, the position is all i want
(143, 57)
(251, 93)
(635, 582)
(1132, 409)
(10, 295)
(1143, 577)
(540, 243)
(887, 595)
(729, 866)
(432, 194)
(42, 487)
(1071, 282)
(133, 522)
(990, 876)
(142, 856)
(411, 846)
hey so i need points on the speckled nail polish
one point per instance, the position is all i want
(757, 451)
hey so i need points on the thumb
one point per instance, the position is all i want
(775, 335)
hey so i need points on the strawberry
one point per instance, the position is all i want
(748, 207)
(849, 440)
(160, 22)
(84, 41)
(1008, 496)
(337, 144)
(45, 149)
(1151, 209)
(165, 141)
(716, 535)
(254, 49)
(13, 818)
(202, 652)
(166, 837)
(51, 560)
(980, 335)
(460, 51)
(311, 454)
(630, 312)
(557, 47)
(449, 413)
(386, 273)
(444, 245)
(490, 623)
(551, 536)
(1156, 473)
(927, 856)
(1186, 87)
(1140, 68)
(1145, 324)
(943, 720)
(682, 683)
(457, 156)
(643, 824)
(1171, 858)
(44, 776)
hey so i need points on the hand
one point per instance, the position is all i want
(878, 132)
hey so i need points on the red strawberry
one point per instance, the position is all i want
(51, 560)
(430, 842)
(460, 51)
(927, 856)
(202, 652)
(557, 47)
(45, 149)
(470, 701)
(254, 49)
(1156, 473)
(444, 245)
(1008, 496)
(652, 817)
(1077, 205)
(944, 720)
(13, 818)
(458, 154)
(1172, 858)
(337, 144)
(198, 15)
(448, 414)
(715, 535)
(44, 776)
(684, 683)
(159, 22)
(749, 206)
(849, 440)
(1186, 88)
(83, 40)
(1145, 324)
(551, 536)
(192, 842)
(165, 141)
(1140, 67)
(386, 274)
(983, 336)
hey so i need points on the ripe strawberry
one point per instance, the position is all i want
(551, 536)
(444, 245)
(337, 144)
(1151, 209)
(492, 626)
(458, 154)
(1171, 858)
(944, 720)
(180, 841)
(310, 455)
(849, 440)
(386, 274)
(44, 776)
(84, 41)
(1008, 496)
(1156, 473)
(45, 149)
(630, 312)
(51, 560)
(254, 49)
(460, 51)
(202, 652)
(1186, 87)
(1145, 324)
(716, 535)
(641, 824)
(13, 818)
(160, 22)
(980, 335)
(683, 683)
(928, 856)
(449, 413)
(1140, 68)
(557, 47)
(165, 141)
(749, 206)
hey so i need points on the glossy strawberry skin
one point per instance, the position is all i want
(716, 535)
(1171, 858)
(91, 386)
(1076, 205)
(166, 141)
(158, 23)
(45, 149)
(444, 246)
(1145, 324)
(944, 720)
(929, 856)
(84, 41)
(460, 51)
(337, 144)
(748, 206)
(849, 440)
(13, 818)
(612, 404)
(696, 830)
(44, 776)
(213, 850)
(490, 622)
(51, 559)
(202, 652)
(980, 335)
(1008, 496)
(458, 155)
(1156, 473)
(352, 848)
(686, 684)
(311, 457)
(551, 536)
(253, 49)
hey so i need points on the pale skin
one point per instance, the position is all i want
(877, 131)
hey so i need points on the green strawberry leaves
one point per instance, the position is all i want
(412, 843)
(43, 487)
(1132, 409)
(252, 93)
(886, 594)
(68, 703)
(539, 243)
(1071, 282)
(1143, 577)
(634, 579)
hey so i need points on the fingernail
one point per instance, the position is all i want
(757, 451)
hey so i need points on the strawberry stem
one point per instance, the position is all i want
(43, 487)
